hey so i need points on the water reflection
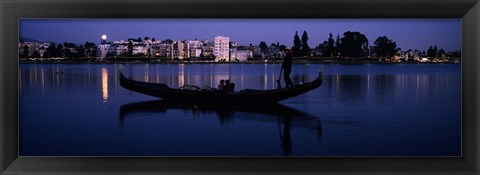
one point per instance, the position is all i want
(284, 116)
(105, 84)
(355, 89)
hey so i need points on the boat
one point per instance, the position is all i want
(247, 96)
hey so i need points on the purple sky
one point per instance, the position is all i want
(407, 33)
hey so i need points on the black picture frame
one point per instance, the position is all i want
(11, 11)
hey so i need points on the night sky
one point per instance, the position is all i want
(407, 33)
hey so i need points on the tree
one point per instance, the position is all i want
(297, 45)
(146, 38)
(456, 54)
(282, 47)
(80, 52)
(305, 47)
(130, 48)
(68, 53)
(153, 40)
(263, 46)
(35, 54)
(328, 46)
(67, 49)
(323, 49)
(50, 51)
(338, 43)
(90, 49)
(139, 39)
(58, 52)
(432, 51)
(26, 51)
(385, 47)
(353, 44)
(69, 45)
(441, 52)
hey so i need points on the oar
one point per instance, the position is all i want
(278, 80)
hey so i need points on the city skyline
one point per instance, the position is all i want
(407, 33)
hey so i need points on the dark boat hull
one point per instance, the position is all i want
(242, 97)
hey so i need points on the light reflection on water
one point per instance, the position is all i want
(409, 110)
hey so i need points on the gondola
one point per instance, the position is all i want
(247, 96)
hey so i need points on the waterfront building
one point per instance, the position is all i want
(164, 50)
(232, 51)
(273, 51)
(208, 49)
(195, 47)
(104, 49)
(139, 49)
(242, 53)
(121, 48)
(221, 48)
(412, 55)
(147, 44)
(256, 50)
(178, 49)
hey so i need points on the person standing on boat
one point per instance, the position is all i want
(287, 68)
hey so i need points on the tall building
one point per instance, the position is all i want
(195, 47)
(207, 49)
(179, 50)
(221, 48)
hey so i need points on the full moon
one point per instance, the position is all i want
(104, 37)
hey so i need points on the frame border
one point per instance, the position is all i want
(11, 11)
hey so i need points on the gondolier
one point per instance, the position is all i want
(287, 68)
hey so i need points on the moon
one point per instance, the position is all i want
(104, 37)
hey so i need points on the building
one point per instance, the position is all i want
(208, 49)
(121, 48)
(242, 53)
(232, 51)
(221, 48)
(162, 49)
(256, 50)
(179, 50)
(103, 48)
(195, 47)
(412, 55)
(139, 49)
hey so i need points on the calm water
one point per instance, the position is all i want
(360, 110)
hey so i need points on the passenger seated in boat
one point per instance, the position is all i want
(229, 87)
(221, 85)
(208, 88)
(190, 87)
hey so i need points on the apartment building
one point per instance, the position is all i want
(221, 48)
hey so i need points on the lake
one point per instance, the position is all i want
(360, 110)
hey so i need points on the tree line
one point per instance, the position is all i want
(67, 50)
(355, 44)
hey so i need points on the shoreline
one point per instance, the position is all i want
(316, 60)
